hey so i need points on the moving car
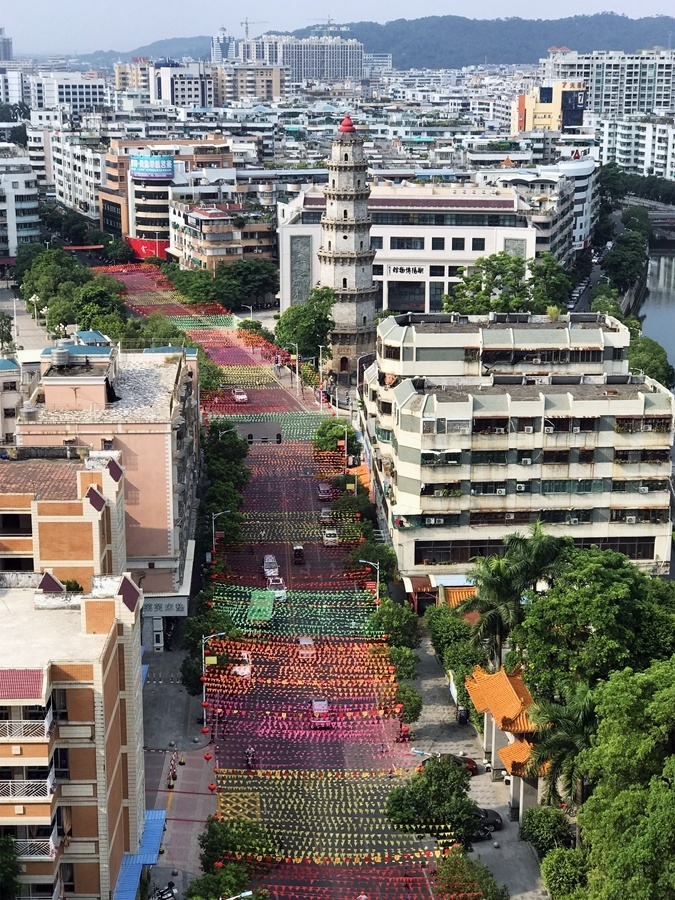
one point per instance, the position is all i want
(239, 396)
(467, 761)
(330, 537)
(326, 515)
(270, 566)
(324, 491)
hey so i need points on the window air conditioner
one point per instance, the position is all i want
(574, 521)
(576, 430)
(647, 427)
(429, 521)
(510, 517)
(500, 430)
(438, 493)
(528, 429)
(526, 461)
(643, 489)
(438, 521)
(465, 430)
(548, 430)
(631, 520)
(536, 361)
(501, 492)
(520, 488)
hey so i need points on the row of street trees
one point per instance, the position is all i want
(231, 285)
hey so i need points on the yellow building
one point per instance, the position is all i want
(556, 107)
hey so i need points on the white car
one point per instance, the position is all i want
(239, 396)
(330, 537)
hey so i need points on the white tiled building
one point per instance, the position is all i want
(75, 90)
(19, 219)
(78, 170)
(509, 421)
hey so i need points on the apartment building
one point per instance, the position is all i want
(554, 107)
(143, 405)
(11, 86)
(181, 84)
(223, 48)
(250, 81)
(323, 59)
(617, 83)
(640, 146)
(423, 235)
(204, 235)
(77, 170)
(19, 219)
(134, 75)
(5, 46)
(478, 426)
(72, 785)
(138, 174)
(75, 91)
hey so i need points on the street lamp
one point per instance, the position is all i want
(214, 516)
(205, 639)
(297, 366)
(374, 565)
(249, 308)
(320, 378)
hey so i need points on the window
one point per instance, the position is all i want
(478, 244)
(488, 458)
(586, 457)
(378, 270)
(458, 243)
(561, 486)
(556, 457)
(9, 413)
(437, 271)
(9, 386)
(392, 352)
(406, 243)
(376, 243)
(437, 243)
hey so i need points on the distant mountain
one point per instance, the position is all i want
(437, 42)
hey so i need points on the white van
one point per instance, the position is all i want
(270, 566)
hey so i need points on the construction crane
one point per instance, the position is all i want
(330, 27)
(246, 23)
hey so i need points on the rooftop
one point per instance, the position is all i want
(34, 638)
(504, 696)
(440, 323)
(54, 479)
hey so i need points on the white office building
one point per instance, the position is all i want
(476, 427)
(19, 219)
(11, 86)
(76, 91)
(176, 84)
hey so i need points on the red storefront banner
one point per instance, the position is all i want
(144, 247)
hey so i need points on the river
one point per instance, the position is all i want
(658, 309)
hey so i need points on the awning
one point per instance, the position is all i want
(148, 853)
(417, 584)
(458, 580)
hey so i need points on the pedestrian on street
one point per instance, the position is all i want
(362, 896)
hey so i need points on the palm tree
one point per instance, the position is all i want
(498, 601)
(536, 556)
(564, 730)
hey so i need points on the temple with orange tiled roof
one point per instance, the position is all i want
(504, 700)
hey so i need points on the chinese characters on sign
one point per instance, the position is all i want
(405, 270)
(151, 166)
(164, 607)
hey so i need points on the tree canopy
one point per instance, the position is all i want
(308, 324)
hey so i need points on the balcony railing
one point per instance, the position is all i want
(24, 728)
(26, 790)
(44, 848)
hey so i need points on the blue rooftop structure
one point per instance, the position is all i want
(7, 365)
(78, 350)
(189, 351)
(92, 337)
(148, 853)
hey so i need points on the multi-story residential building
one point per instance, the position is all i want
(72, 783)
(181, 84)
(62, 515)
(555, 107)
(250, 81)
(223, 48)
(5, 46)
(422, 235)
(134, 75)
(322, 59)
(138, 175)
(206, 234)
(617, 83)
(144, 405)
(76, 91)
(19, 219)
(478, 426)
(11, 86)
(78, 170)
(42, 123)
(639, 145)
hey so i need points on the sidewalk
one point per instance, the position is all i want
(513, 862)
(28, 334)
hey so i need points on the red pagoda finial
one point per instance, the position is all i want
(347, 126)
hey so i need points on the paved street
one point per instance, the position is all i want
(28, 334)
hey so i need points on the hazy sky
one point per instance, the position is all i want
(82, 26)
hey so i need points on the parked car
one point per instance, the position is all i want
(276, 584)
(239, 396)
(467, 761)
(324, 492)
(326, 515)
(487, 821)
(270, 566)
(330, 537)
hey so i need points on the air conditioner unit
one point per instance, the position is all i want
(631, 520)
(528, 429)
(520, 488)
(536, 361)
(438, 521)
(500, 430)
(574, 521)
(501, 492)
(647, 427)
(509, 517)
(576, 430)
(643, 489)
(526, 461)
(438, 493)
(429, 521)
(548, 430)
(464, 430)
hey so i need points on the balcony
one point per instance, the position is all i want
(24, 728)
(43, 848)
(28, 790)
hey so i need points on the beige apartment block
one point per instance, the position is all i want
(72, 787)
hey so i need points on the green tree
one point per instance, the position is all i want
(498, 602)
(398, 622)
(308, 325)
(563, 872)
(626, 262)
(446, 627)
(331, 433)
(119, 251)
(254, 278)
(497, 282)
(221, 838)
(10, 869)
(411, 701)
(545, 828)
(19, 135)
(565, 728)
(612, 184)
(636, 218)
(232, 879)
(254, 326)
(649, 357)
(435, 801)
(459, 874)
(25, 257)
(549, 283)
(6, 330)
(405, 661)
